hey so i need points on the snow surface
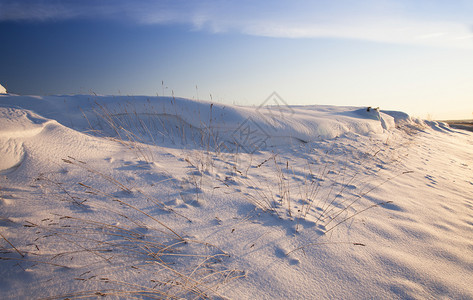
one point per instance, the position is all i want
(151, 197)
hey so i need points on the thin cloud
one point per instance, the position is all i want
(39, 10)
(385, 21)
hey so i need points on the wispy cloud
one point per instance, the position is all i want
(386, 21)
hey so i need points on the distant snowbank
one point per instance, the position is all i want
(152, 119)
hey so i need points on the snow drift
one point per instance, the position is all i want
(156, 197)
(151, 118)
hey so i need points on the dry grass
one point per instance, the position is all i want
(141, 255)
(324, 195)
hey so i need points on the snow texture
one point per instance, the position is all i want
(155, 197)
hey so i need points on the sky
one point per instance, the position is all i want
(412, 56)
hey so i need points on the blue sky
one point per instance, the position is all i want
(414, 56)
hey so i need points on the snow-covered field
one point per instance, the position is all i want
(147, 197)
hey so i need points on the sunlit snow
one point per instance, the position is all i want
(155, 197)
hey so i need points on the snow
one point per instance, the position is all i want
(155, 197)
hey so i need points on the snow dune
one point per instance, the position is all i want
(304, 123)
(156, 197)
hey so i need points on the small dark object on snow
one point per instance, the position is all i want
(369, 108)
